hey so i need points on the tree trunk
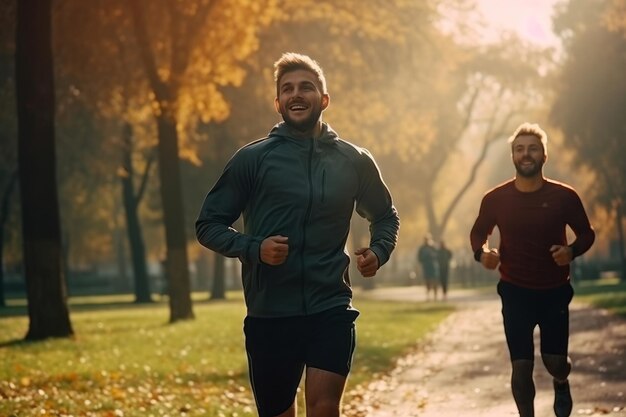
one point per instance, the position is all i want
(218, 288)
(119, 237)
(620, 238)
(179, 286)
(4, 215)
(204, 274)
(43, 265)
(495, 129)
(133, 226)
(165, 92)
(3, 302)
(429, 205)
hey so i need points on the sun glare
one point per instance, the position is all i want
(530, 19)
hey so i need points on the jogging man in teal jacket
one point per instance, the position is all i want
(297, 189)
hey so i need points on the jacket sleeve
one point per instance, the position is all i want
(483, 227)
(374, 203)
(222, 207)
(579, 222)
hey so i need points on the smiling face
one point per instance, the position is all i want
(528, 155)
(300, 100)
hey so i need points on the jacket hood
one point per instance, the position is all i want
(328, 135)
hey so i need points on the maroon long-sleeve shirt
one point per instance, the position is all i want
(529, 224)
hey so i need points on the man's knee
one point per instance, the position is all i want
(559, 366)
(323, 407)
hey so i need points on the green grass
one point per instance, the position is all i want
(604, 293)
(126, 361)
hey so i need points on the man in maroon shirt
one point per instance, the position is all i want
(531, 213)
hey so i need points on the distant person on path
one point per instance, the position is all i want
(427, 258)
(444, 256)
(531, 213)
(297, 189)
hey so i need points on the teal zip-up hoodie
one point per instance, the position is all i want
(306, 190)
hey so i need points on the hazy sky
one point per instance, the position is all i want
(531, 19)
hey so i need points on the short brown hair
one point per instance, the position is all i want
(532, 129)
(291, 61)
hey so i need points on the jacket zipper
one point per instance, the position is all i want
(323, 185)
(306, 221)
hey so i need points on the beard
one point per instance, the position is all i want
(528, 172)
(303, 125)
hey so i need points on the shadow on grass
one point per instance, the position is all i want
(22, 310)
(16, 342)
(13, 311)
(90, 303)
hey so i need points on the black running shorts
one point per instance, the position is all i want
(279, 349)
(523, 309)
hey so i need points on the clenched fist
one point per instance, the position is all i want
(562, 255)
(367, 262)
(491, 259)
(274, 250)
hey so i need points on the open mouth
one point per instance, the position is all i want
(298, 107)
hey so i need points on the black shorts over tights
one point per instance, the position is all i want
(523, 309)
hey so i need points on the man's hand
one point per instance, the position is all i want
(490, 259)
(562, 255)
(274, 250)
(366, 262)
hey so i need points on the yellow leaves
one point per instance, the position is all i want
(117, 393)
(615, 16)
(419, 138)
(198, 47)
(164, 73)
(114, 413)
(374, 20)
(122, 172)
(200, 367)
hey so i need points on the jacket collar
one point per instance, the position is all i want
(327, 135)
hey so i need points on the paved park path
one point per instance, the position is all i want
(463, 369)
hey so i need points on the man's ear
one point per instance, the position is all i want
(325, 101)
(276, 105)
